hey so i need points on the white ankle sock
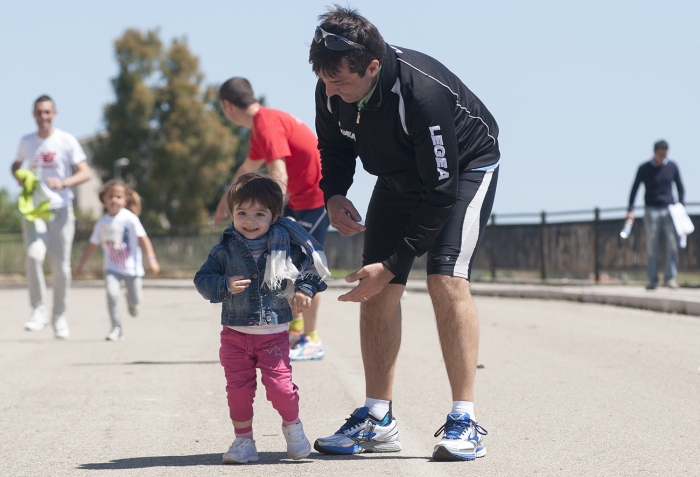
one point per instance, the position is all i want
(377, 407)
(461, 407)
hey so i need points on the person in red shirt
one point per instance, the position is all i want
(289, 150)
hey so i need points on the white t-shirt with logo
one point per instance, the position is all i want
(119, 237)
(53, 156)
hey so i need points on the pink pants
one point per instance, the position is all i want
(240, 354)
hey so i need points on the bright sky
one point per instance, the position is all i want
(581, 89)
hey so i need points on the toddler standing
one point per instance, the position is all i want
(122, 237)
(264, 268)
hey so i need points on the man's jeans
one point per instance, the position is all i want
(658, 223)
(56, 236)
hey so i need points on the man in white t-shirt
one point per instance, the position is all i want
(59, 162)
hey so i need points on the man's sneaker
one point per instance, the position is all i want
(672, 284)
(362, 432)
(60, 327)
(306, 349)
(133, 310)
(294, 337)
(115, 334)
(463, 439)
(651, 286)
(241, 451)
(298, 445)
(37, 321)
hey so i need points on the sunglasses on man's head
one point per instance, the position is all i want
(337, 42)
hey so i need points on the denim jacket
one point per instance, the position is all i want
(257, 304)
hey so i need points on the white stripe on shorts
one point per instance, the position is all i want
(318, 221)
(470, 228)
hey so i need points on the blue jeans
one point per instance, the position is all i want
(658, 223)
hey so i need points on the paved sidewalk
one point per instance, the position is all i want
(564, 389)
(683, 300)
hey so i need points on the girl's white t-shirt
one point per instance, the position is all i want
(53, 156)
(118, 236)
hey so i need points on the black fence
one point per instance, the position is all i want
(551, 244)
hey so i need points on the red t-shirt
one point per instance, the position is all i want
(279, 135)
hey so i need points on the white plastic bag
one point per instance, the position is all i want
(684, 226)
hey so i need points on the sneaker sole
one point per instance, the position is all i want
(300, 455)
(377, 447)
(442, 454)
(230, 460)
(35, 328)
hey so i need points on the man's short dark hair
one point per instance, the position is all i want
(351, 25)
(42, 98)
(660, 145)
(255, 187)
(238, 92)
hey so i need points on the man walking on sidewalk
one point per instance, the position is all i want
(52, 155)
(658, 176)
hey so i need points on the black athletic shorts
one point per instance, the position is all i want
(315, 221)
(389, 214)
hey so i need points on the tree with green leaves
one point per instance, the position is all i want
(179, 150)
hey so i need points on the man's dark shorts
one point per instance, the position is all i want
(315, 221)
(389, 214)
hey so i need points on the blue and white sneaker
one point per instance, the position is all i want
(463, 439)
(306, 350)
(362, 432)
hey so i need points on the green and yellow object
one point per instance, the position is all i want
(25, 201)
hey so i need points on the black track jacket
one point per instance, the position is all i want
(419, 130)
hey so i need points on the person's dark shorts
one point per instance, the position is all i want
(389, 214)
(315, 221)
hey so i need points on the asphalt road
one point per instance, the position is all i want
(565, 389)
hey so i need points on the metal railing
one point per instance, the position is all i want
(545, 242)
(178, 256)
(573, 246)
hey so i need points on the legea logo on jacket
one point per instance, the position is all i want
(439, 150)
(349, 134)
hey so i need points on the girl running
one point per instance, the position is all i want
(122, 238)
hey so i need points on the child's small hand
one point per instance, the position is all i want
(300, 302)
(77, 271)
(154, 266)
(237, 284)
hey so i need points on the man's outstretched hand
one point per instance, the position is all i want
(373, 278)
(344, 216)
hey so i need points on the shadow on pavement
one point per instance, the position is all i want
(186, 461)
(159, 461)
(51, 339)
(215, 459)
(369, 455)
(146, 362)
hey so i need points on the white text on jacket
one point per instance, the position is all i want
(439, 150)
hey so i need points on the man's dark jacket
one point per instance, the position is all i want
(420, 129)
